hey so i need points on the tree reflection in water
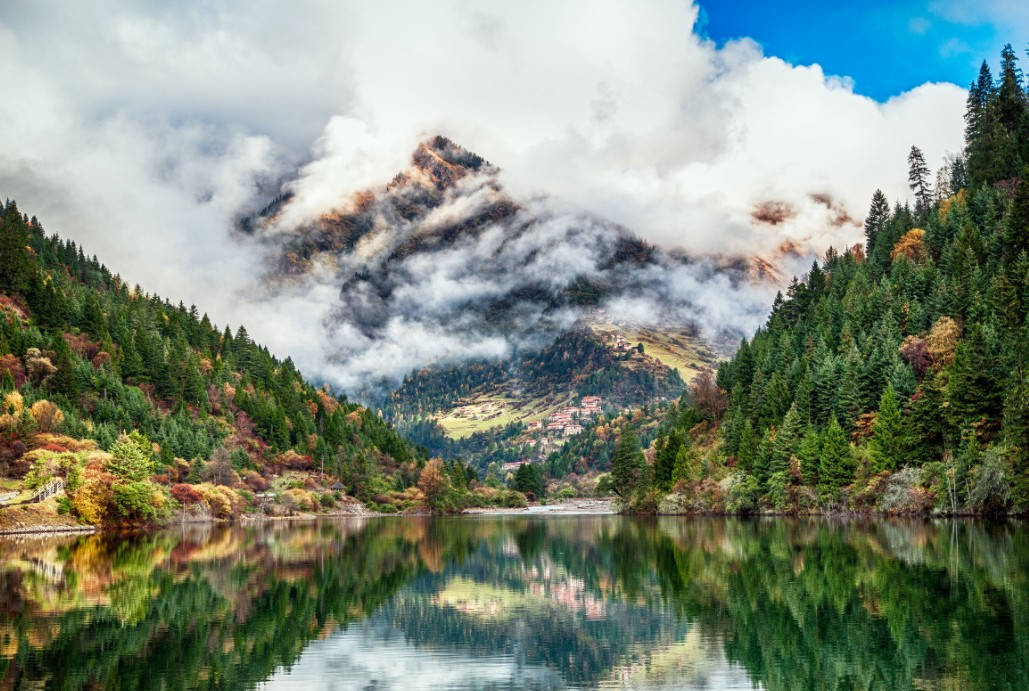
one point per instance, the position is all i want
(544, 602)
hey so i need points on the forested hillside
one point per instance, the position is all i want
(892, 376)
(86, 358)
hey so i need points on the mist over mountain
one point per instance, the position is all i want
(442, 265)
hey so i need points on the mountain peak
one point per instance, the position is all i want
(440, 162)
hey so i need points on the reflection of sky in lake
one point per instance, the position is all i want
(375, 655)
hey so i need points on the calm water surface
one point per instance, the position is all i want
(522, 602)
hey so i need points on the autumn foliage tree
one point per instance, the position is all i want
(434, 484)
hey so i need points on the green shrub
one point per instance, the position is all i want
(63, 505)
(566, 491)
(990, 492)
(141, 500)
(513, 499)
(777, 495)
(743, 494)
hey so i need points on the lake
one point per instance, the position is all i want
(505, 602)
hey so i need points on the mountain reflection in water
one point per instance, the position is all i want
(521, 602)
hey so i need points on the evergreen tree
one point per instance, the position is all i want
(93, 321)
(974, 388)
(529, 480)
(132, 458)
(1010, 94)
(64, 380)
(749, 441)
(958, 174)
(777, 399)
(889, 444)
(878, 215)
(809, 452)
(903, 380)
(763, 458)
(628, 465)
(1016, 225)
(980, 94)
(849, 400)
(687, 465)
(666, 450)
(835, 463)
(15, 267)
(1016, 431)
(786, 440)
(918, 181)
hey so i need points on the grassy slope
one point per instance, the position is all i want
(488, 409)
(675, 348)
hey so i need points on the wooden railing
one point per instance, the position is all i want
(48, 490)
(52, 487)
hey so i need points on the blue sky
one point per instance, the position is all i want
(886, 47)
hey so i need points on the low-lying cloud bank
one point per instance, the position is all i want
(142, 133)
(445, 267)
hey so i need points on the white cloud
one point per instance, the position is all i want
(140, 129)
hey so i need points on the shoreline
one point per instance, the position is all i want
(50, 530)
(568, 507)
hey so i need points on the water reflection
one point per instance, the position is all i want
(553, 602)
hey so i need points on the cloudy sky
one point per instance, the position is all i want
(141, 129)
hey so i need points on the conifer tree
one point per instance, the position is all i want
(918, 181)
(785, 441)
(666, 450)
(1016, 225)
(748, 450)
(980, 94)
(131, 458)
(1010, 94)
(809, 452)
(628, 465)
(849, 398)
(835, 463)
(777, 399)
(974, 387)
(826, 388)
(15, 268)
(763, 458)
(875, 221)
(687, 465)
(889, 444)
(64, 380)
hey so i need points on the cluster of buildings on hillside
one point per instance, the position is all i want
(568, 421)
(550, 434)
(618, 343)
